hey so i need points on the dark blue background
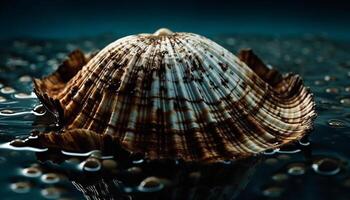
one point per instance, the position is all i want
(59, 18)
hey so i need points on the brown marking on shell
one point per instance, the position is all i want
(175, 95)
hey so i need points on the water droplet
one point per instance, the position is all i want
(296, 169)
(347, 89)
(50, 178)
(345, 101)
(6, 112)
(7, 90)
(92, 165)
(25, 96)
(332, 90)
(96, 154)
(134, 170)
(39, 110)
(151, 184)
(273, 191)
(319, 82)
(280, 177)
(330, 78)
(25, 79)
(326, 166)
(304, 141)
(17, 143)
(336, 123)
(2, 99)
(51, 192)
(20, 187)
(31, 172)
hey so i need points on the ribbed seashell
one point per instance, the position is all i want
(174, 95)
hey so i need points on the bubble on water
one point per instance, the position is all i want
(273, 191)
(345, 101)
(91, 165)
(50, 178)
(134, 170)
(336, 123)
(280, 177)
(7, 111)
(326, 166)
(51, 192)
(151, 184)
(96, 154)
(304, 141)
(127, 189)
(2, 99)
(347, 89)
(31, 172)
(319, 82)
(25, 79)
(329, 78)
(21, 187)
(25, 96)
(16, 62)
(332, 90)
(296, 169)
(7, 90)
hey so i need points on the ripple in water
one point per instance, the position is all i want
(326, 166)
(336, 123)
(296, 169)
(151, 184)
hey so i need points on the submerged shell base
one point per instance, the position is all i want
(174, 95)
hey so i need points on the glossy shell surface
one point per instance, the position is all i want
(174, 95)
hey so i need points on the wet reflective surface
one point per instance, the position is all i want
(317, 167)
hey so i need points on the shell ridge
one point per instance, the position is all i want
(209, 135)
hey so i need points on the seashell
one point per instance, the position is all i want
(174, 95)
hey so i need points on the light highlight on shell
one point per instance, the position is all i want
(174, 95)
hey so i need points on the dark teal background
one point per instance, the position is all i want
(61, 19)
